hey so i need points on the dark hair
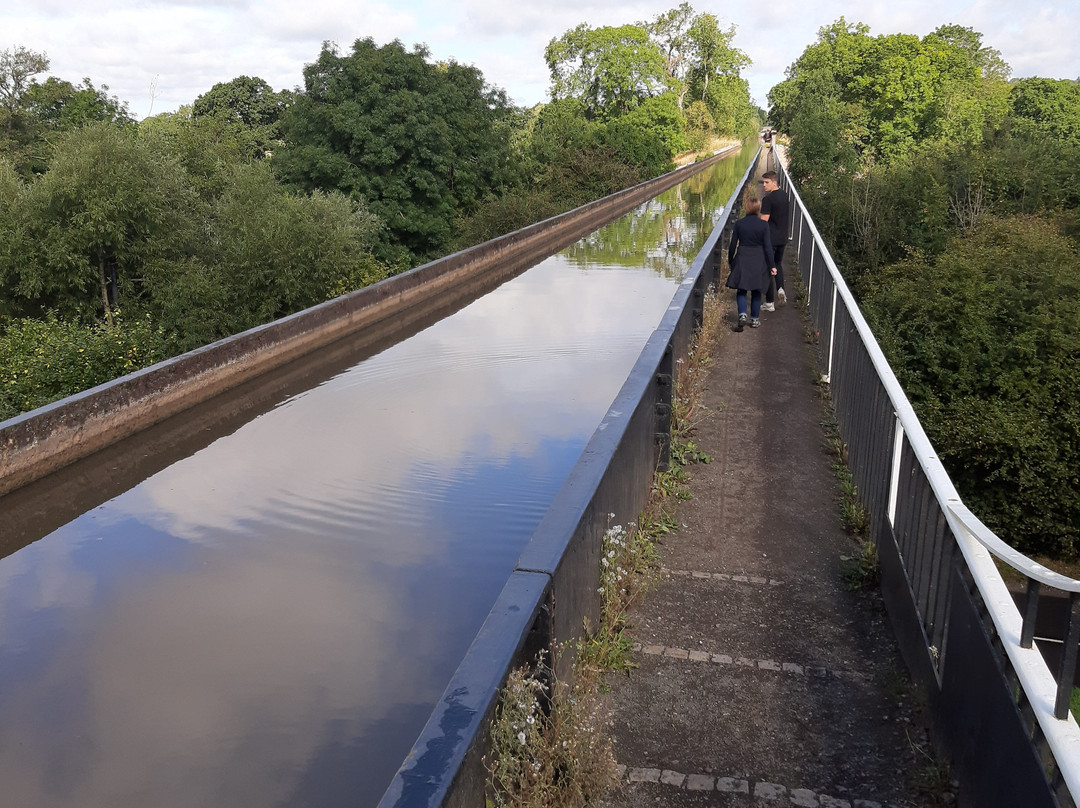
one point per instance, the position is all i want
(751, 205)
(769, 175)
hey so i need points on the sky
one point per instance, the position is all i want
(157, 55)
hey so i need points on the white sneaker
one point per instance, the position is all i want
(768, 307)
(781, 298)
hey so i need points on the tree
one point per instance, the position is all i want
(248, 111)
(890, 94)
(671, 32)
(611, 70)
(17, 68)
(60, 106)
(107, 204)
(416, 141)
(1047, 109)
(715, 58)
(267, 253)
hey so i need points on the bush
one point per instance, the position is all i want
(986, 341)
(45, 360)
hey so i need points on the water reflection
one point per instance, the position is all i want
(269, 620)
(665, 232)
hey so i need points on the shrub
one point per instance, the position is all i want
(986, 341)
(45, 360)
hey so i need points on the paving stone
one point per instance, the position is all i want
(722, 659)
(757, 579)
(701, 782)
(702, 574)
(655, 650)
(644, 776)
(747, 662)
(768, 665)
(791, 667)
(833, 802)
(769, 791)
(699, 656)
(723, 576)
(677, 653)
(670, 778)
(732, 786)
(620, 771)
(742, 579)
(804, 798)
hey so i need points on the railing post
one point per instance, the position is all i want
(1067, 671)
(894, 475)
(1031, 612)
(832, 336)
(664, 388)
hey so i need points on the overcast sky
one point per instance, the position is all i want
(159, 54)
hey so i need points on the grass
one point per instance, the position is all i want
(549, 745)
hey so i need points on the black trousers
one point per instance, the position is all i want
(778, 262)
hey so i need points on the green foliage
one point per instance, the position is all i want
(270, 254)
(60, 106)
(106, 200)
(18, 67)
(42, 360)
(417, 142)
(647, 137)
(1047, 109)
(876, 98)
(994, 380)
(862, 570)
(700, 126)
(611, 70)
(248, 112)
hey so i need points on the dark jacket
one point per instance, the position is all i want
(750, 255)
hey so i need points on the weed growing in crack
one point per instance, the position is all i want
(548, 749)
(863, 570)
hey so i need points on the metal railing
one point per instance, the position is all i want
(998, 709)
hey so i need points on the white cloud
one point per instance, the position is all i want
(190, 45)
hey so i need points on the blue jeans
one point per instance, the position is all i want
(755, 303)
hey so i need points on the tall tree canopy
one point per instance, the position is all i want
(418, 141)
(875, 98)
(610, 69)
(248, 110)
(1047, 109)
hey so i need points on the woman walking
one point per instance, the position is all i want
(750, 256)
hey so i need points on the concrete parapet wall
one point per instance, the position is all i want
(50, 437)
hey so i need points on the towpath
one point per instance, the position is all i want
(763, 678)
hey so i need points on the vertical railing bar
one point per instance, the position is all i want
(907, 480)
(1031, 613)
(1067, 669)
(937, 551)
(918, 567)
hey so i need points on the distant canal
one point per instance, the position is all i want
(269, 620)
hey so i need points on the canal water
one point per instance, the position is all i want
(268, 620)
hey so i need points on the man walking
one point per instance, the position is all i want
(774, 210)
